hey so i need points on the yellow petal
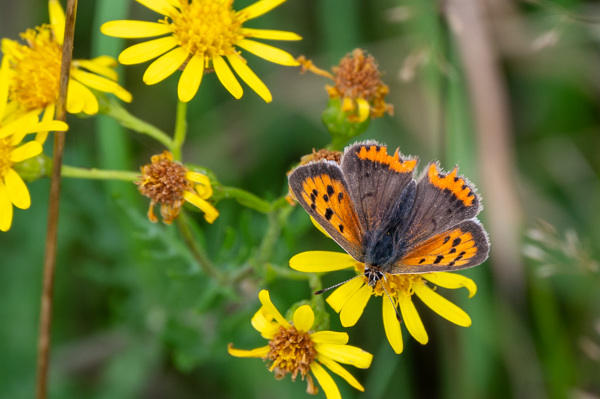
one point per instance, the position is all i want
(270, 34)
(364, 109)
(411, 318)
(134, 29)
(352, 311)
(197, 177)
(4, 81)
(210, 212)
(146, 51)
(331, 390)
(265, 299)
(99, 68)
(267, 52)
(339, 370)
(321, 261)
(101, 83)
(347, 354)
(57, 20)
(338, 299)
(249, 77)
(19, 125)
(304, 318)
(17, 190)
(258, 352)
(319, 227)
(190, 79)
(226, 77)
(451, 280)
(48, 116)
(81, 99)
(6, 208)
(263, 323)
(54, 126)
(392, 326)
(26, 151)
(259, 8)
(165, 66)
(442, 306)
(329, 337)
(160, 6)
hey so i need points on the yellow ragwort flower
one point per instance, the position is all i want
(350, 299)
(34, 72)
(295, 349)
(202, 34)
(357, 85)
(14, 127)
(170, 184)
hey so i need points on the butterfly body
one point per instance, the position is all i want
(371, 205)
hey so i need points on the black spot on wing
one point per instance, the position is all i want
(328, 213)
(456, 241)
(341, 226)
(438, 259)
(330, 190)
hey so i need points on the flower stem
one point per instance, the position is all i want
(249, 200)
(197, 252)
(180, 130)
(98, 174)
(120, 114)
(53, 208)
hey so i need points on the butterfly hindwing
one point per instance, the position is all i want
(322, 191)
(465, 245)
(375, 180)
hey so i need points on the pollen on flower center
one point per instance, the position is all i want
(37, 69)
(164, 181)
(357, 76)
(209, 27)
(292, 352)
(5, 150)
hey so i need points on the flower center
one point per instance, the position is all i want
(36, 68)
(164, 181)
(5, 150)
(291, 351)
(207, 27)
(357, 76)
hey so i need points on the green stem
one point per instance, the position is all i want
(113, 109)
(99, 174)
(245, 198)
(197, 252)
(180, 130)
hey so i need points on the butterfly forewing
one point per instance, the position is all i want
(442, 201)
(322, 191)
(375, 180)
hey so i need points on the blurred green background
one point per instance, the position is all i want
(508, 90)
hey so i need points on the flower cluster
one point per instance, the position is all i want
(295, 349)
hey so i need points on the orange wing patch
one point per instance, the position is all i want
(379, 154)
(329, 199)
(452, 249)
(453, 183)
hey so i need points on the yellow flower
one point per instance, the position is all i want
(357, 85)
(202, 34)
(294, 348)
(13, 129)
(170, 184)
(33, 72)
(350, 299)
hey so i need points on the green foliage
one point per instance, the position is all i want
(147, 310)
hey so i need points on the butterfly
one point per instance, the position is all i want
(371, 205)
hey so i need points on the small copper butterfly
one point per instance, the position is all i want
(371, 205)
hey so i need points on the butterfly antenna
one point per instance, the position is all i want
(319, 292)
(391, 301)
